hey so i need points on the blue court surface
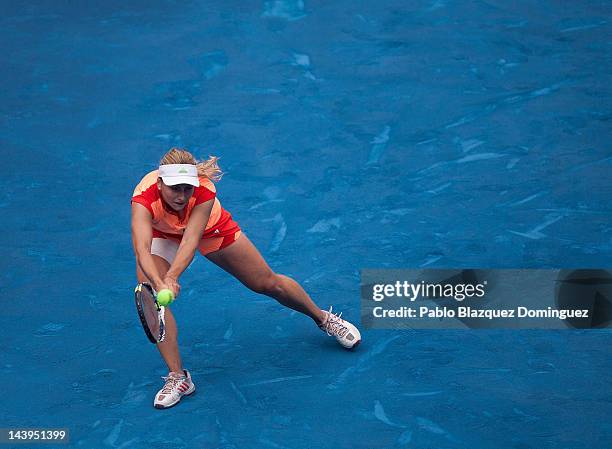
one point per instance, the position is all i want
(353, 134)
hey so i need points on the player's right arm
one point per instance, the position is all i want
(142, 236)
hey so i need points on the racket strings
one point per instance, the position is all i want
(151, 314)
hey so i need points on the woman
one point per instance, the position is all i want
(174, 212)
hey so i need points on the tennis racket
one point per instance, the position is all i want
(151, 314)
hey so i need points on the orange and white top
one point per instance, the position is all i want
(169, 222)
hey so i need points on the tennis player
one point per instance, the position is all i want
(175, 211)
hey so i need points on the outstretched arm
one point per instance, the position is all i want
(142, 236)
(189, 243)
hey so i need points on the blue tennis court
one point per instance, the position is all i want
(353, 134)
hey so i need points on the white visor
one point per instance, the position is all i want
(173, 174)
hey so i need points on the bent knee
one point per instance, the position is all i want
(269, 284)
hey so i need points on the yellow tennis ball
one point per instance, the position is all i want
(165, 297)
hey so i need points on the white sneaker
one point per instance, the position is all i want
(346, 334)
(174, 389)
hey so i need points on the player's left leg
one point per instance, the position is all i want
(242, 260)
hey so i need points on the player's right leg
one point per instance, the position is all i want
(178, 382)
(169, 347)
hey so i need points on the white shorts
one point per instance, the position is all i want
(164, 248)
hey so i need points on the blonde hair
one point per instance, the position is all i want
(208, 168)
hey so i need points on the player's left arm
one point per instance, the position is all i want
(189, 243)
